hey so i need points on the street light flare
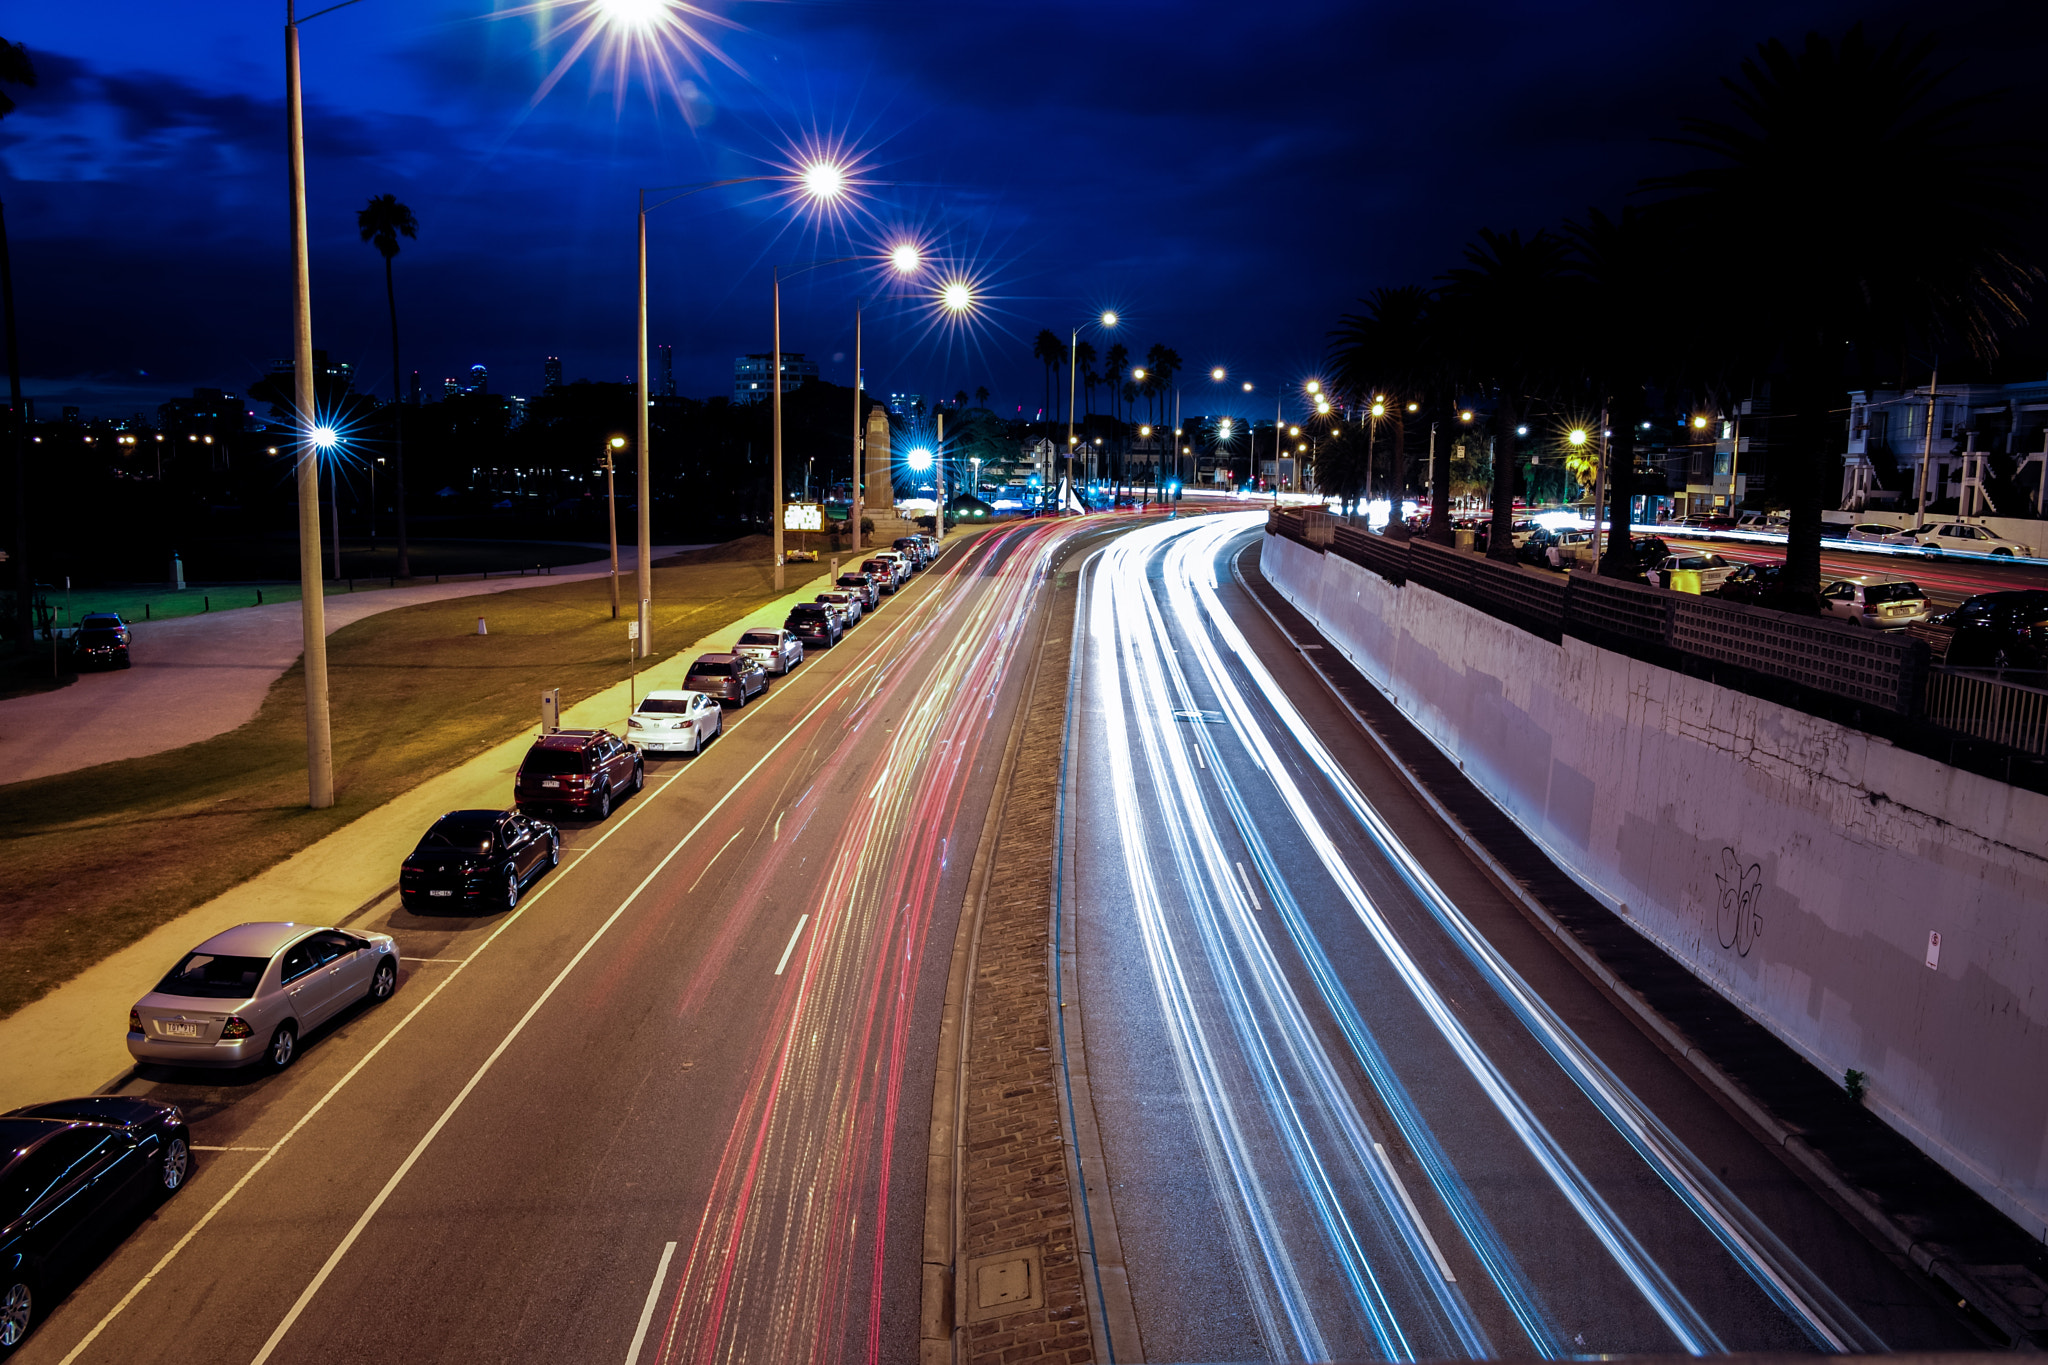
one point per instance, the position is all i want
(906, 258)
(1315, 386)
(1109, 319)
(957, 296)
(631, 14)
(920, 459)
(325, 437)
(1217, 374)
(824, 181)
(1577, 436)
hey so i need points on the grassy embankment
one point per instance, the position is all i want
(91, 861)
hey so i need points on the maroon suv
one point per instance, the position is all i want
(580, 771)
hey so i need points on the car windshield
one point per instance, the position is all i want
(554, 761)
(853, 580)
(665, 706)
(468, 834)
(1892, 592)
(209, 976)
(761, 637)
(711, 669)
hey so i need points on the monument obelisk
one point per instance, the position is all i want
(878, 482)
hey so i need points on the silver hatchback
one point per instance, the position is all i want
(1875, 600)
(250, 993)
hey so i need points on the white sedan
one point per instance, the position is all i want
(1713, 570)
(1877, 533)
(674, 722)
(1957, 538)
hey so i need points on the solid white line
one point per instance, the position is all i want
(801, 920)
(1248, 889)
(714, 858)
(647, 1310)
(197, 1148)
(777, 835)
(433, 959)
(1414, 1214)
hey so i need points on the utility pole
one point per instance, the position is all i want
(312, 602)
(1926, 450)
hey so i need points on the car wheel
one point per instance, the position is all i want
(127, 662)
(639, 777)
(17, 1312)
(383, 982)
(1931, 551)
(2001, 552)
(604, 803)
(284, 1045)
(511, 887)
(554, 849)
(173, 1167)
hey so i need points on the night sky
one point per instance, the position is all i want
(1228, 177)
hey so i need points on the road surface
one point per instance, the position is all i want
(1352, 1105)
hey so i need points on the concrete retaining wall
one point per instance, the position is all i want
(1801, 868)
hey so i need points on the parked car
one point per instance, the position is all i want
(1712, 569)
(477, 857)
(728, 677)
(1752, 583)
(904, 568)
(865, 585)
(842, 615)
(846, 600)
(1958, 538)
(1571, 550)
(777, 651)
(579, 771)
(816, 624)
(2000, 630)
(675, 721)
(1877, 533)
(1650, 551)
(248, 994)
(102, 640)
(883, 571)
(70, 1172)
(1709, 522)
(914, 549)
(1877, 600)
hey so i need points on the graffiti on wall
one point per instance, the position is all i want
(1741, 915)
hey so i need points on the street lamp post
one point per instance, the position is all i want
(1107, 321)
(611, 508)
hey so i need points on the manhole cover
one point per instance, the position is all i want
(1007, 1282)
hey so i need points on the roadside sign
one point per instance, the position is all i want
(632, 630)
(803, 516)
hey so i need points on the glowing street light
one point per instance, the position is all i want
(1465, 416)
(324, 437)
(1576, 436)
(905, 258)
(1217, 374)
(957, 296)
(1107, 322)
(824, 181)
(611, 509)
(919, 459)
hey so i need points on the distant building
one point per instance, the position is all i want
(415, 397)
(665, 371)
(551, 371)
(906, 404)
(71, 414)
(341, 375)
(1985, 437)
(479, 379)
(750, 375)
(451, 388)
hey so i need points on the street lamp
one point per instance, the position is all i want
(611, 506)
(819, 180)
(905, 258)
(1107, 322)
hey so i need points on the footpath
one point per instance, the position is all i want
(1900, 1197)
(195, 677)
(71, 1041)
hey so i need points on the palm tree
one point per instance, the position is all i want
(981, 395)
(1391, 347)
(1084, 358)
(1048, 350)
(1502, 311)
(381, 222)
(16, 69)
(1817, 281)
(1116, 369)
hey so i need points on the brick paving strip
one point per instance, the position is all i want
(1905, 1201)
(1004, 1265)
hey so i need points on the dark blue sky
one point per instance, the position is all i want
(1229, 177)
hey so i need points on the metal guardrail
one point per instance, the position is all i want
(1989, 707)
(1846, 661)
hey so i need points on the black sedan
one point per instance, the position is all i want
(1751, 583)
(102, 640)
(477, 857)
(816, 624)
(2004, 630)
(69, 1172)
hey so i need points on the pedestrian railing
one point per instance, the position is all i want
(1987, 706)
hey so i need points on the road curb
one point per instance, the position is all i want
(1928, 1258)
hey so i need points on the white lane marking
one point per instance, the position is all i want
(1249, 890)
(714, 858)
(1414, 1213)
(433, 959)
(801, 920)
(647, 1309)
(776, 837)
(526, 904)
(197, 1148)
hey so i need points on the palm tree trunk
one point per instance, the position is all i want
(17, 430)
(1625, 419)
(398, 429)
(1500, 543)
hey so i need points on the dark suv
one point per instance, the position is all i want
(815, 624)
(102, 639)
(2000, 630)
(577, 771)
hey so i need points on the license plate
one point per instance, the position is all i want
(549, 782)
(440, 893)
(177, 1028)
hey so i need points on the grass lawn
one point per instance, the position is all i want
(91, 861)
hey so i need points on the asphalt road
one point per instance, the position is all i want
(672, 1107)
(1352, 1104)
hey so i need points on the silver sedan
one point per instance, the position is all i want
(249, 993)
(778, 651)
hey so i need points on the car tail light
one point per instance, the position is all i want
(236, 1027)
(135, 1021)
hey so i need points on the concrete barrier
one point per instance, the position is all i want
(1876, 909)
